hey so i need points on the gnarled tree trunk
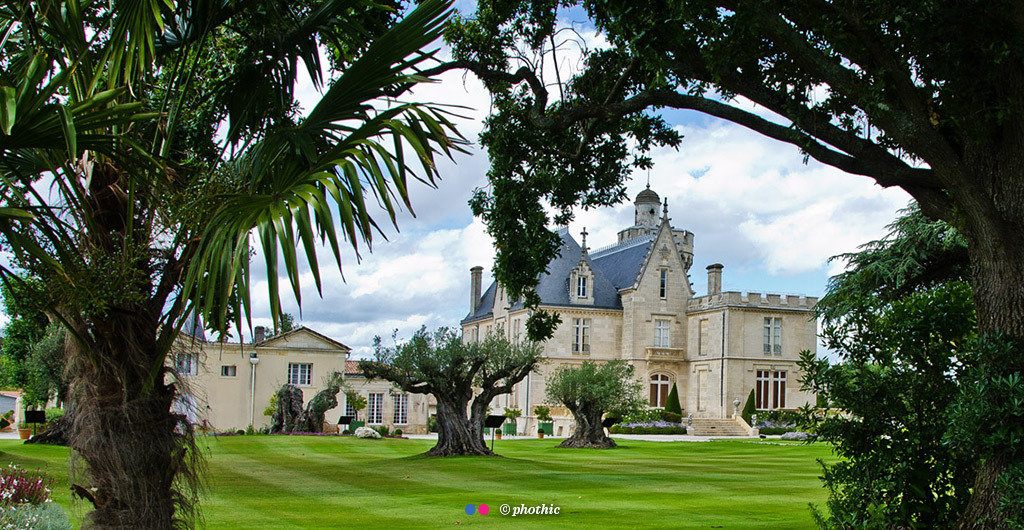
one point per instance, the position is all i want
(457, 434)
(588, 433)
(289, 409)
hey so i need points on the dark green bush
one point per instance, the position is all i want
(748, 408)
(769, 431)
(673, 404)
(671, 417)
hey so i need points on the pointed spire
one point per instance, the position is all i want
(664, 211)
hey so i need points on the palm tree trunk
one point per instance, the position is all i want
(140, 460)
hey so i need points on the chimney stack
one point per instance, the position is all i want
(715, 278)
(475, 277)
(259, 334)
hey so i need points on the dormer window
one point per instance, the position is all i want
(581, 286)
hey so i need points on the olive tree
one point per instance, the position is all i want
(591, 390)
(464, 377)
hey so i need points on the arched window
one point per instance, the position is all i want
(659, 390)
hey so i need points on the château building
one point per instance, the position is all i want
(634, 301)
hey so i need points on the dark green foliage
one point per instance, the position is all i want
(673, 405)
(771, 431)
(988, 416)
(897, 380)
(620, 429)
(748, 408)
(917, 253)
(671, 416)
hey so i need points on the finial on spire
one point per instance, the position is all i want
(664, 211)
(648, 179)
(584, 244)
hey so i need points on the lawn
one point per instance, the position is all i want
(331, 482)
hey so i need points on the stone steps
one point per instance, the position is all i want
(716, 427)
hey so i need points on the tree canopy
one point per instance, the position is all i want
(121, 195)
(886, 90)
(464, 377)
(590, 391)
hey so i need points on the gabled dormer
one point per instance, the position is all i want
(581, 278)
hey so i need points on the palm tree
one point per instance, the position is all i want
(123, 192)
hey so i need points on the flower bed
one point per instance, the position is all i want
(25, 501)
(649, 427)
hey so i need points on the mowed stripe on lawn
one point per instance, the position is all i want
(332, 482)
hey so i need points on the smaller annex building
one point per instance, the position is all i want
(227, 386)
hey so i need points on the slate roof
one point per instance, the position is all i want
(614, 267)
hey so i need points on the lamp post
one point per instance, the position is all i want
(253, 360)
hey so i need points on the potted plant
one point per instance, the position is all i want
(24, 431)
(545, 424)
(358, 403)
(510, 426)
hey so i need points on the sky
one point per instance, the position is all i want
(753, 204)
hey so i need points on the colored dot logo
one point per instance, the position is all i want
(482, 509)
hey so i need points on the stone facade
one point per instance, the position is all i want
(223, 389)
(634, 301)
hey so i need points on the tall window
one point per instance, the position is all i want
(762, 390)
(581, 286)
(516, 324)
(375, 406)
(664, 283)
(349, 409)
(661, 338)
(778, 390)
(300, 374)
(581, 335)
(770, 390)
(659, 390)
(772, 336)
(704, 338)
(187, 364)
(401, 409)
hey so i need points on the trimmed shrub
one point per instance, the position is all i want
(671, 417)
(673, 403)
(769, 431)
(748, 408)
(659, 427)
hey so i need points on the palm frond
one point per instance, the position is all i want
(336, 158)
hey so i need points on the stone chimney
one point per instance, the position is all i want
(259, 334)
(475, 277)
(715, 278)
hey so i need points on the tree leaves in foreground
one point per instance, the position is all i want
(885, 90)
(590, 391)
(464, 377)
(918, 403)
(120, 195)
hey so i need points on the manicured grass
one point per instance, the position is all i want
(332, 482)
